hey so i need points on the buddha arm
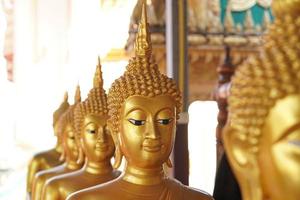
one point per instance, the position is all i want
(38, 187)
(33, 168)
(51, 191)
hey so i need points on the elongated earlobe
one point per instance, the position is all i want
(81, 154)
(62, 156)
(243, 162)
(81, 157)
(118, 157)
(169, 163)
(118, 153)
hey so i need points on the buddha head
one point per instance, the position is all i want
(58, 113)
(262, 135)
(67, 131)
(91, 123)
(144, 106)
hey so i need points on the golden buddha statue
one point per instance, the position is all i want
(262, 136)
(96, 142)
(70, 151)
(143, 108)
(48, 159)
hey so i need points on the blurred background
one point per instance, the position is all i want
(50, 46)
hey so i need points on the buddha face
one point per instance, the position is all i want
(274, 172)
(57, 132)
(147, 130)
(56, 128)
(96, 139)
(279, 157)
(70, 143)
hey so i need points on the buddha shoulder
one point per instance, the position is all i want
(192, 193)
(36, 160)
(188, 192)
(47, 156)
(106, 191)
(39, 157)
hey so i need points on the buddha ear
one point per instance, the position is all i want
(168, 163)
(118, 157)
(243, 162)
(81, 155)
(118, 153)
(235, 146)
(62, 157)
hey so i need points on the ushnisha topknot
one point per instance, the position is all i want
(268, 77)
(68, 116)
(62, 108)
(142, 77)
(96, 102)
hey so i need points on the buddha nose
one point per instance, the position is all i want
(101, 134)
(152, 132)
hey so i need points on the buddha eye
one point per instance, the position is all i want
(91, 131)
(137, 122)
(295, 142)
(72, 138)
(164, 121)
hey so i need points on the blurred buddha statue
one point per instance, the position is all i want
(96, 143)
(70, 151)
(156, 9)
(48, 159)
(201, 14)
(143, 108)
(262, 136)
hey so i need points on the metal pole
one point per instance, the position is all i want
(177, 68)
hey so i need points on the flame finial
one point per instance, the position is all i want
(66, 96)
(77, 97)
(143, 46)
(62, 108)
(98, 80)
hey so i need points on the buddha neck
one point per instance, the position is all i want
(142, 176)
(98, 168)
(72, 165)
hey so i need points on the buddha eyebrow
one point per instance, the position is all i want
(163, 109)
(134, 109)
(90, 123)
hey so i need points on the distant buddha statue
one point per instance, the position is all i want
(96, 143)
(70, 151)
(262, 136)
(143, 108)
(48, 159)
(157, 9)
